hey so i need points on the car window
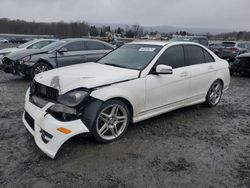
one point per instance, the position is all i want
(39, 45)
(194, 55)
(75, 46)
(208, 57)
(173, 56)
(248, 46)
(242, 45)
(94, 45)
(203, 42)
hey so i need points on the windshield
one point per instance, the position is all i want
(54, 45)
(26, 44)
(131, 56)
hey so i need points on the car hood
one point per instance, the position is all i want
(8, 50)
(86, 75)
(23, 53)
(244, 55)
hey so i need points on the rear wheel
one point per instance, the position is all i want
(39, 68)
(214, 94)
(111, 122)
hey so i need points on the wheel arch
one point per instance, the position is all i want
(127, 102)
(219, 79)
(44, 61)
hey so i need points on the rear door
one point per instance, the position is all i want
(94, 50)
(202, 70)
(168, 90)
(73, 55)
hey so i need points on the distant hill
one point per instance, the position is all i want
(167, 29)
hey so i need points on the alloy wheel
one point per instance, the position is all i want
(112, 122)
(40, 69)
(215, 94)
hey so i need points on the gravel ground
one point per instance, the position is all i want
(191, 147)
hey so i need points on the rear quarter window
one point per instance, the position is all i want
(194, 55)
(208, 58)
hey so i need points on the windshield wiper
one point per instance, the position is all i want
(115, 65)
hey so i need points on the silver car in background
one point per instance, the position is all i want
(231, 49)
(58, 54)
(33, 44)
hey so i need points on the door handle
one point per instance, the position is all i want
(184, 74)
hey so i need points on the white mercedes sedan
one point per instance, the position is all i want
(135, 82)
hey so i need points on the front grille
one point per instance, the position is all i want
(29, 120)
(43, 91)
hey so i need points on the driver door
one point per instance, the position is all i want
(73, 55)
(168, 90)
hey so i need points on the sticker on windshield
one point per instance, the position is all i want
(145, 49)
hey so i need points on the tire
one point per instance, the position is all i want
(39, 68)
(106, 127)
(214, 94)
(233, 68)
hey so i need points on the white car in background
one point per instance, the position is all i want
(135, 82)
(34, 44)
(3, 41)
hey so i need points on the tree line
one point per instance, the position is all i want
(59, 29)
(64, 29)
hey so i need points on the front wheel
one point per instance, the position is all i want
(111, 122)
(214, 94)
(39, 68)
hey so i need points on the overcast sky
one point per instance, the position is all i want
(227, 14)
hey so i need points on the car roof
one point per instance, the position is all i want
(164, 43)
(80, 39)
(157, 43)
(35, 40)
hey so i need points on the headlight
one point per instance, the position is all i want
(25, 59)
(73, 98)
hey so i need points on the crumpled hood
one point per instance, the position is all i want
(8, 50)
(86, 75)
(17, 55)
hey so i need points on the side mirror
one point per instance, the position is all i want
(62, 50)
(163, 69)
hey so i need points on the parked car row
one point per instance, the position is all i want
(38, 56)
(230, 49)
(197, 39)
(241, 66)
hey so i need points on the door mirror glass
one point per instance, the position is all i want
(62, 50)
(163, 69)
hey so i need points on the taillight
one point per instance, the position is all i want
(233, 49)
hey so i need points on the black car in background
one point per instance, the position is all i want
(241, 66)
(58, 54)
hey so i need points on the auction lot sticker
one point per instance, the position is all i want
(145, 49)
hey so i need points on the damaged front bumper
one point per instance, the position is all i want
(9, 66)
(49, 133)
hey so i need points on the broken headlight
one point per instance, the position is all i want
(73, 98)
(25, 59)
